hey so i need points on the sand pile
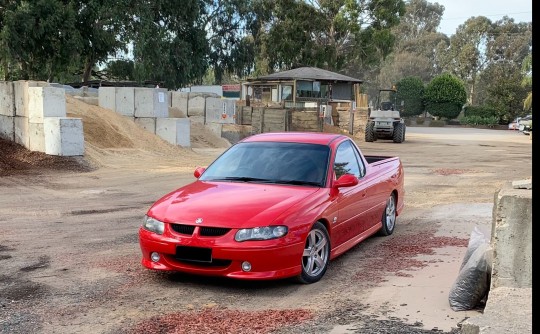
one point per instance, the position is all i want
(108, 133)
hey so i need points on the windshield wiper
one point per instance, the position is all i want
(297, 182)
(241, 179)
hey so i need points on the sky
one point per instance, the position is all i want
(456, 12)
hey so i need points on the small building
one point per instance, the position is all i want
(300, 87)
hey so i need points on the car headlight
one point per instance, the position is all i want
(261, 233)
(153, 225)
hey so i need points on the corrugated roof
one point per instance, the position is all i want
(309, 73)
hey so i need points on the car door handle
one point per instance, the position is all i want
(364, 194)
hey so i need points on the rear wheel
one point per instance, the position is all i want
(316, 254)
(399, 133)
(370, 132)
(389, 216)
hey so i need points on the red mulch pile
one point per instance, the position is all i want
(221, 321)
(16, 159)
(398, 253)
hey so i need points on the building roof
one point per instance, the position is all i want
(308, 73)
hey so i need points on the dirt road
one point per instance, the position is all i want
(69, 254)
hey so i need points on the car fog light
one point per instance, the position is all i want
(155, 257)
(246, 266)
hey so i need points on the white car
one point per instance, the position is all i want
(525, 124)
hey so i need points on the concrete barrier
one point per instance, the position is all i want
(20, 89)
(45, 102)
(22, 136)
(151, 102)
(107, 98)
(63, 136)
(218, 110)
(174, 130)
(179, 100)
(7, 98)
(511, 238)
(196, 104)
(36, 137)
(125, 101)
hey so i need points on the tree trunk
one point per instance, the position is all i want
(87, 70)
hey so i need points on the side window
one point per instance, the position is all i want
(345, 162)
(360, 162)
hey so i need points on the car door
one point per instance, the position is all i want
(351, 201)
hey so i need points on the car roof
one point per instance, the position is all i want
(295, 137)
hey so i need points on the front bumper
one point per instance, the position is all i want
(270, 259)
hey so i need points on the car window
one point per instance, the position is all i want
(345, 162)
(360, 162)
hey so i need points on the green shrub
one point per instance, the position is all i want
(481, 111)
(410, 90)
(478, 120)
(444, 96)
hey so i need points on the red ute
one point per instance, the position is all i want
(274, 205)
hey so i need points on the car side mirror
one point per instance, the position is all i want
(346, 180)
(199, 171)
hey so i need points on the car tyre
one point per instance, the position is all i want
(399, 133)
(388, 220)
(316, 254)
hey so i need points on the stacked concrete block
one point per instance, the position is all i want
(20, 89)
(174, 130)
(107, 98)
(7, 127)
(179, 105)
(45, 102)
(147, 123)
(125, 101)
(22, 131)
(63, 136)
(151, 102)
(36, 137)
(219, 110)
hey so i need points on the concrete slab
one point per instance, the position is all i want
(151, 102)
(63, 136)
(7, 98)
(36, 137)
(147, 123)
(174, 130)
(21, 95)
(107, 98)
(522, 184)
(176, 113)
(7, 127)
(196, 119)
(45, 102)
(125, 101)
(508, 311)
(22, 131)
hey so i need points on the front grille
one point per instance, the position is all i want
(195, 254)
(213, 231)
(183, 229)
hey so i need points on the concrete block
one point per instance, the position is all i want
(196, 104)
(107, 97)
(220, 110)
(215, 128)
(147, 123)
(88, 100)
(45, 102)
(174, 130)
(63, 136)
(7, 98)
(21, 95)
(125, 101)
(36, 137)
(511, 238)
(22, 136)
(151, 102)
(7, 127)
(179, 100)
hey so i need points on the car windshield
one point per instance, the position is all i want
(271, 162)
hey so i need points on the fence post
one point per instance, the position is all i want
(262, 119)
(351, 119)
